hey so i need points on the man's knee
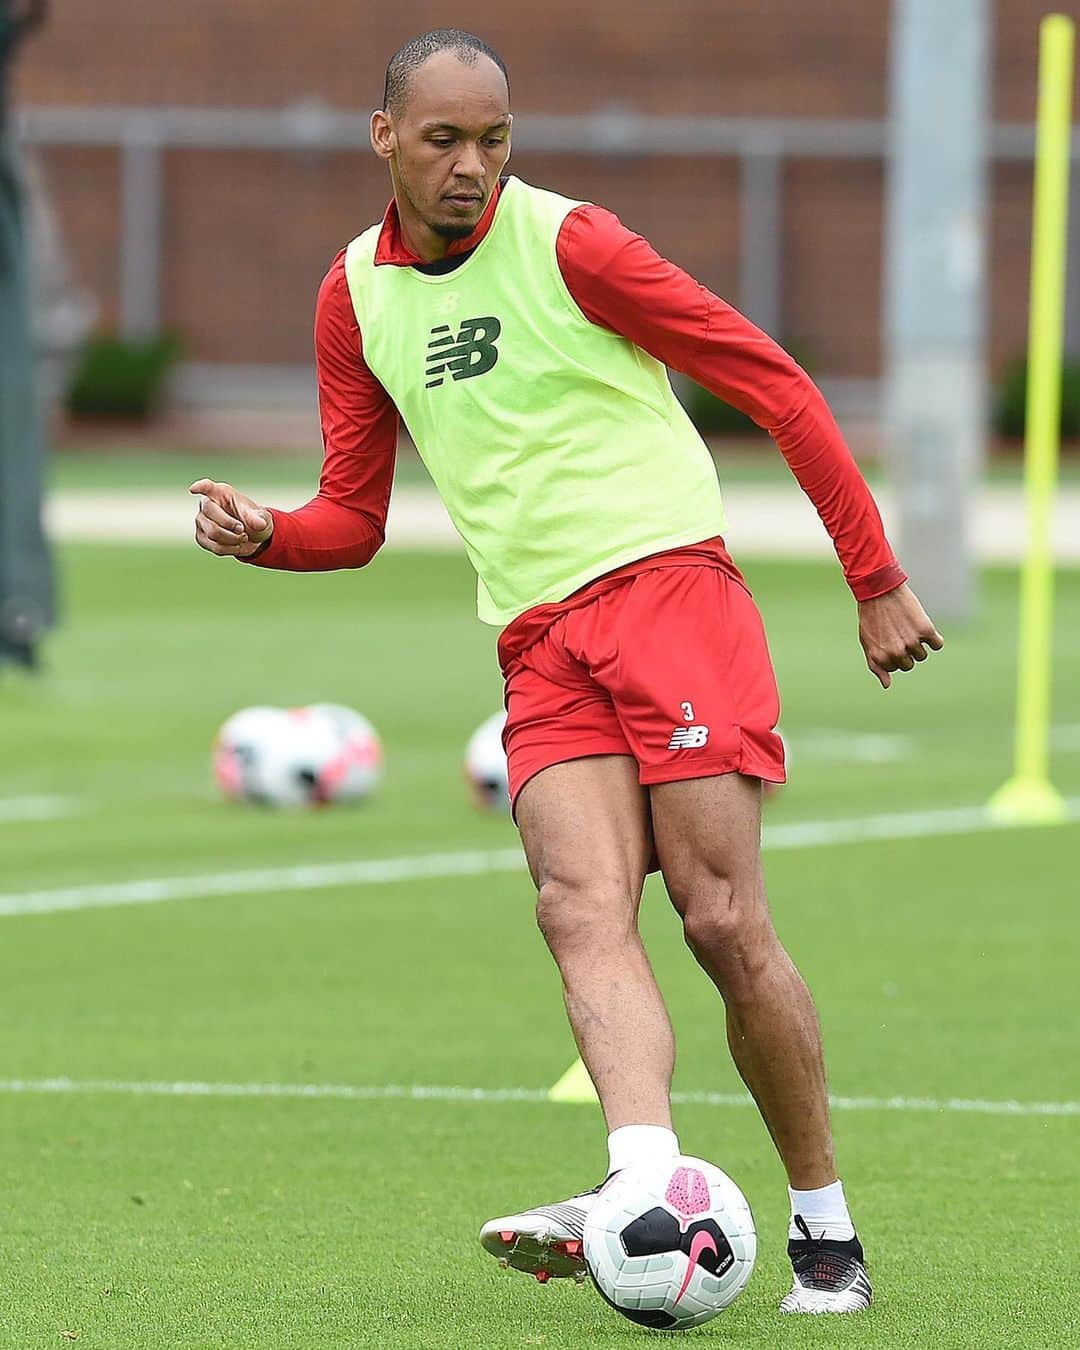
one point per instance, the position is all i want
(727, 927)
(572, 914)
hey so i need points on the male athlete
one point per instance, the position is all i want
(523, 337)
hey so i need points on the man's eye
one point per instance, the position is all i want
(444, 141)
(494, 141)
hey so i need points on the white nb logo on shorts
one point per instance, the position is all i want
(688, 738)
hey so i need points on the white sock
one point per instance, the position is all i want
(824, 1212)
(632, 1144)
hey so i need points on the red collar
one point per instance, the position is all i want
(393, 249)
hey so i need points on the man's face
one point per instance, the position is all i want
(448, 146)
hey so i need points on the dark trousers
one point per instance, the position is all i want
(27, 603)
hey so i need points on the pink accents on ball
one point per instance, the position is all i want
(688, 1192)
(364, 754)
(699, 1243)
(228, 770)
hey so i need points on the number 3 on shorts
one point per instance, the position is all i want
(687, 710)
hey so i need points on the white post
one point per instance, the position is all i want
(935, 387)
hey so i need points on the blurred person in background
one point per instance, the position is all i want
(523, 337)
(26, 577)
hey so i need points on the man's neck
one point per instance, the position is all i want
(406, 239)
(420, 238)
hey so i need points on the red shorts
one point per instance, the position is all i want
(668, 665)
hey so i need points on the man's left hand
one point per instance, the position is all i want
(895, 632)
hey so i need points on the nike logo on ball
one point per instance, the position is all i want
(701, 1242)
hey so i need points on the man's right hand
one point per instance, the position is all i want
(228, 523)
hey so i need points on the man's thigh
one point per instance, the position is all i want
(708, 839)
(585, 823)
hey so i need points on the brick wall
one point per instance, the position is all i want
(248, 235)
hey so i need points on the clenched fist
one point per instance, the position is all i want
(228, 523)
(895, 632)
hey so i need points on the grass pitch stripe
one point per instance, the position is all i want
(304, 877)
(450, 1093)
(16, 810)
(894, 825)
(374, 871)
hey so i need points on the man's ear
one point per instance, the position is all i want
(383, 139)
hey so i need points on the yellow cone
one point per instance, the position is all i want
(574, 1086)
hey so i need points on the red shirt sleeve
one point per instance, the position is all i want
(344, 524)
(619, 281)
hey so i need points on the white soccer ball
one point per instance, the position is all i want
(296, 756)
(485, 765)
(670, 1247)
(356, 768)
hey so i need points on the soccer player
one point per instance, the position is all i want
(523, 338)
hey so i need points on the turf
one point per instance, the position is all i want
(944, 967)
(142, 468)
(136, 469)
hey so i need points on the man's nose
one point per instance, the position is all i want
(469, 163)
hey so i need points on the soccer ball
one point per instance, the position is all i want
(485, 765)
(356, 768)
(670, 1247)
(297, 756)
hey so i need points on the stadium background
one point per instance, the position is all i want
(265, 1073)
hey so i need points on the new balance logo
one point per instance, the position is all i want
(472, 352)
(688, 738)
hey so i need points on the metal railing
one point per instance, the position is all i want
(760, 145)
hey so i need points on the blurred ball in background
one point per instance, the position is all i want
(485, 766)
(297, 756)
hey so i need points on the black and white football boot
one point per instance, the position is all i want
(830, 1276)
(547, 1242)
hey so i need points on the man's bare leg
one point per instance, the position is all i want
(585, 826)
(586, 830)
(708, 834)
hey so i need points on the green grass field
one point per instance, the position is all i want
(147, 468)
(944, 965)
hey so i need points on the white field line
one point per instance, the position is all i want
(884, 747)
(1065, 737)
(304, 877)
(15, 810)
(852, 746)
(894, 825)
(318, 876)
(421, 1092)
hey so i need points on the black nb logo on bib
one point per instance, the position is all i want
(472, 352)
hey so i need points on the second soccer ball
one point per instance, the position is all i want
(485, 765)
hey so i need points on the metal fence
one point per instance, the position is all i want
(760, 145)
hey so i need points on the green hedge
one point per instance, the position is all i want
(1010, 404)
(713, 417)
(120, 377)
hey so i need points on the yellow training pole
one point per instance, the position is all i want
(1029, 796)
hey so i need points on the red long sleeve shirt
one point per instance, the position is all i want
(620, 282)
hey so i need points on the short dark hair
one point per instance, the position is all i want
(407, 60)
